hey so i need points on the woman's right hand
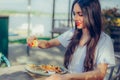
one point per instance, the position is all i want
(43, 44)
(32, 41)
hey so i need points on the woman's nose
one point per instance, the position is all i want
(76, 17)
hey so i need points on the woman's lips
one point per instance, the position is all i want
(78, 23)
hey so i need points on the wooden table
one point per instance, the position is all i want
(18, 73)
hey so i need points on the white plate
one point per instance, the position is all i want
(42, 72)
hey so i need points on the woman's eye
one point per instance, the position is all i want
(80, 14)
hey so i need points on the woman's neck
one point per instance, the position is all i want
(85, 37)
(85, 32)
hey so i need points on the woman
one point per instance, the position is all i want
(89, 50)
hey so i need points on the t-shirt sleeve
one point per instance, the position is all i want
(65, 37)
(106, 53)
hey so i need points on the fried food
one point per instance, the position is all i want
(46, 68)
(51, 68)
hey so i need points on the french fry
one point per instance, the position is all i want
(46, 68)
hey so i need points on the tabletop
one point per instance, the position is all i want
(18, 73)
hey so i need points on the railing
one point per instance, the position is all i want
(115, 35)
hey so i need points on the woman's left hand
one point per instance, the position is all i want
(56, 77)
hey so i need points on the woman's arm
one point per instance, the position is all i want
(32, 41)
(97, 74)
(48, 44)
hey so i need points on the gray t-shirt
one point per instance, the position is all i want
(104, 52)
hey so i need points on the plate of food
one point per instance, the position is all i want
(44, 69)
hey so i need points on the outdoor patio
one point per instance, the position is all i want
(49, 22)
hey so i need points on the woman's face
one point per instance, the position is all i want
(78, 16)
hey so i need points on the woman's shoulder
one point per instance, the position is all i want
(105, 36)
(64, 38)
(104, 39)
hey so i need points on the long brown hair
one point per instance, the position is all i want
(92, 20)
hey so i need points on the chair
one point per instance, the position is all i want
(4, 62)
(117, 76)
(114, 72)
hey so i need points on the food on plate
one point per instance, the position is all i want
(51, 68)
(46, 68)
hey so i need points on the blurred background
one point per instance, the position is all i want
(46, 19)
